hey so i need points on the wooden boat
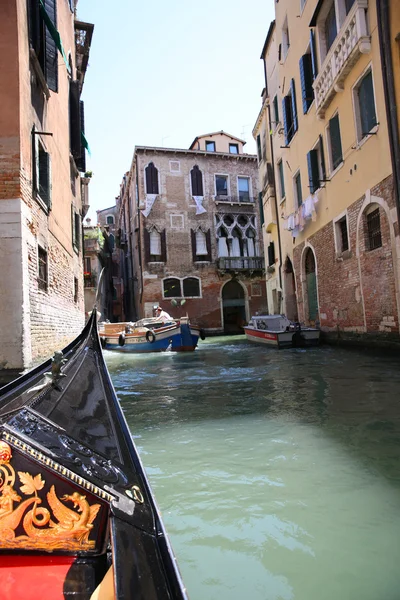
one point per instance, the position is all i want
(278, 331)
(76, 509)
(150, 335)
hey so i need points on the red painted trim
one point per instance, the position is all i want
(33, 577)
(261, 334)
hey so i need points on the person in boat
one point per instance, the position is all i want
(163, 315)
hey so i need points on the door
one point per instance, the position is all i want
(311, 281)
(234, 307)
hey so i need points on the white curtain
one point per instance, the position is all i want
(201, 245)
(155, 243)
(235, 247)
(250, 246)
(222, 247)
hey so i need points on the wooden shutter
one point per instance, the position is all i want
(260, 203)
(307, 92)
(287, 119)
(51, 60)
(314, 63)
(163, 247)
(271, 254)
(259, 148)
(73, 226)
(193, 239)
(313, 171)
(208, 244)
(294, 106)
(74, 120)
(78, 230)
(276, 110)
(44, 173)
(151, 179)
(322, 157)
(35, 25)
(81, 162)
(146, 241)
(197, 181)
(336, 142)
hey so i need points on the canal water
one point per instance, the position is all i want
(277, 472)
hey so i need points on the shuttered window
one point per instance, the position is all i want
(155, 244)
(201, 245)
(197, 181)
(42, 41)
(261, 207)
(41, 169)
(259, 153)
(314, 63)
(306, 79)
(271, 254)
(330, 27)
(335, 142)
(313, 170)
(289, 109)
(322, 158)
(366, 105)
(151, 179)
(74, 119)
(374, 230)
(281, 179)
(297, 189)
(276, 110)
(42, 269)
(294, 105)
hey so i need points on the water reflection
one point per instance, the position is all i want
(277, 473)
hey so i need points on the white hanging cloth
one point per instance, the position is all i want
(235, 247)
(150, 199)
(222, 247)
(199, 205)
(250, 246)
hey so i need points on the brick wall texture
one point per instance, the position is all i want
(356, 290)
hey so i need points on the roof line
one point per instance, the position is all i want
(188, 151)
(268, 38)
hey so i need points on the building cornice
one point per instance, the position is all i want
(155, 150)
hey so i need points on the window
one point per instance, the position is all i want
(191, 287)
(210, 146)
(276, 111)
(233, 149)
(244, 189)
(335, 142)
(88, 265)
(342, 237)
(151, 179)
(289, 107)
(197, 181)
(110, 220)
(76, 229)
(42, 42)
(201, 243)
(365, 106)
(281, 180)
(76, 289)
(155, 245)
(374, 230)
(271, 254)
(330, 27)
(297, 190)
(42, 269)
(41, 172)
(259, 151)
(316, 166)
(306, 79)
(285, 39)
(221, 185)
(172, 288)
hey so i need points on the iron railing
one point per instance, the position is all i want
(240, 263)
(245, 198)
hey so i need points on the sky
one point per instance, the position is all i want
(162, 72)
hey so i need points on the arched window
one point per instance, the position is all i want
(151, 179)
(110, 220)
(155, 244)
(222, 242)
(111, 242)
(201, 243)
(191, 287)
(250, 234)
(172, 288)
(197, 181)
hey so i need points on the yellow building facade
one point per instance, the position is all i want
(335, 227)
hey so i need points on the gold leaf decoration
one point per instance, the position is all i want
(28, 488)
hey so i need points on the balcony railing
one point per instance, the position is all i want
(242, 198)
(90, 281)
(351, 41)
(240, 263)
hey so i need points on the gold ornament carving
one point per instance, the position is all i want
(60, 528)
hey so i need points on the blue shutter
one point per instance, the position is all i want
(314, 62)
(287, 119)
(307, 92)
(322, 154)
(294, 106)
(313, 171)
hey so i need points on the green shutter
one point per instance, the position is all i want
(54, 33)
(260, 202)
(313, 170)
(336, 142)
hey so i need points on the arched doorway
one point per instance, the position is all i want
(311, 283)
(234, 307)
(290, 292)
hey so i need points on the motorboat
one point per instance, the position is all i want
(78, 519)
(151, 335)
(278, 331)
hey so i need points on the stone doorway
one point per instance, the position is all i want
(233, 307)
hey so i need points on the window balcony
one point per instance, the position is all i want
(351, 41)
(240, 263)
(90, 280)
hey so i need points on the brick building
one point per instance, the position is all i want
(331, 205)
(189, 231)
(43, 59)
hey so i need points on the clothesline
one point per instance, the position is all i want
(296, 221)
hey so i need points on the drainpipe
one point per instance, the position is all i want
(382, 8)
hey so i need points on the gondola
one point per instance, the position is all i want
(78, 519)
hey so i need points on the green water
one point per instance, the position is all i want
(277, 473)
